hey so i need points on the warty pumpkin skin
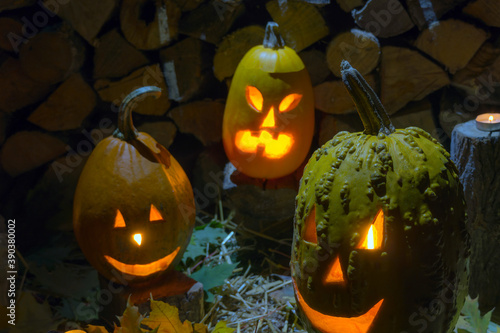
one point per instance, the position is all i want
(131, 185)
(269, 116)
(413, 277)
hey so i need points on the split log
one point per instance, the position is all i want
(232, 49)
(300, 23)
(484, 58)
(487, 11)
(332, 124)
(211, 21)
(11, 32)
(149, 24)
(86, 17)
(175, 289)
(452, 42)
(266, 210)
(417, 114)
(475, 154)
(406, 76)
(315, 62)
(114, 57)
(162, 131)
(27, 150)
(116, 91)
(425, 12)
(18, 89)
(14, 4)
(360, 48)
(203, 119)
(332, 96)
(67, 107)
(348, 5)
(52, 56)
(383, 18)
(208, 176)
(186, 67)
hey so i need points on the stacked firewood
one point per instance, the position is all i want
(65, 66)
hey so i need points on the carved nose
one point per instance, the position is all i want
(269, 120)
(138, 239)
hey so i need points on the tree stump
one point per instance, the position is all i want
(477, 156)
(175, 289)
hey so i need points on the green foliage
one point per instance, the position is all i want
(471, 320)
(212, 277)
(211, 233)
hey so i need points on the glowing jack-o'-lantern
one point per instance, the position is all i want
(380, 243)
(269, 117)
(133, 211)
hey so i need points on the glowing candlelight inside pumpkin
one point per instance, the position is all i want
(138, 239)
(369, 240)
(488, 122)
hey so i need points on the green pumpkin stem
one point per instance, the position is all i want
(373, 114)
(272, 37)
(126, 130)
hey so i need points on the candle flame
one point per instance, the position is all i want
(370, 239)
(491, 119)
(138, 239)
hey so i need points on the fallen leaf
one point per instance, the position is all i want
(165, 318)
(222, 328)
(130, 321)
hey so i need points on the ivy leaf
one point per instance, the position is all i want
(201, 236)
(214, 276)
(165, 318)
(130, 321)
(472, 319)
(222, 328)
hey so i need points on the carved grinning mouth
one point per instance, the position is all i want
(331, 324)
(145, 269)
(273, 148)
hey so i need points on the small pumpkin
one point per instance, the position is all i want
(133, 211)
(380, 243)
(269, 116)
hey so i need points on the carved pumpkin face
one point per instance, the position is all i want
(379, 235)
(133, 209)
(269, 117)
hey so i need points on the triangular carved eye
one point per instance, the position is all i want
(335, 275)
(154, 214)
(119, 220)
(290, 102)
(375, 236)
(254, 98)
(309, 233)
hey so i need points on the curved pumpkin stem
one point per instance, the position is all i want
(126, 130)
(272, 37)
(370, 108)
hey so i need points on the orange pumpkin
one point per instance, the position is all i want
(269, 117)
(133, 211)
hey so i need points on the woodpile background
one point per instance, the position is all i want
(66, 65)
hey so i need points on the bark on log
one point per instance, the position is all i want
(186, 67)
(383, 18)
(211, 21)
(487, 11)
(162, 131)
(360, 48)
(52, 56)
(203, 119)
(67, 107)
(114, 57)
(149, 24)
(26, 150)
(477, 156)
(426, 12)
(406, 76)
(232, 49)
(452, 42)
(86, 17)
(175, 289)
(315, 62)
(332, 96)
(300, 23)
(116, 91)
(18, 89)
(484, 58)
(11, 32)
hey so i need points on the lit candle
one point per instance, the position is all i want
(488, 122)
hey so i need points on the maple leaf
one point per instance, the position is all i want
(130, 321)
(165, 318)
(222, 328)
